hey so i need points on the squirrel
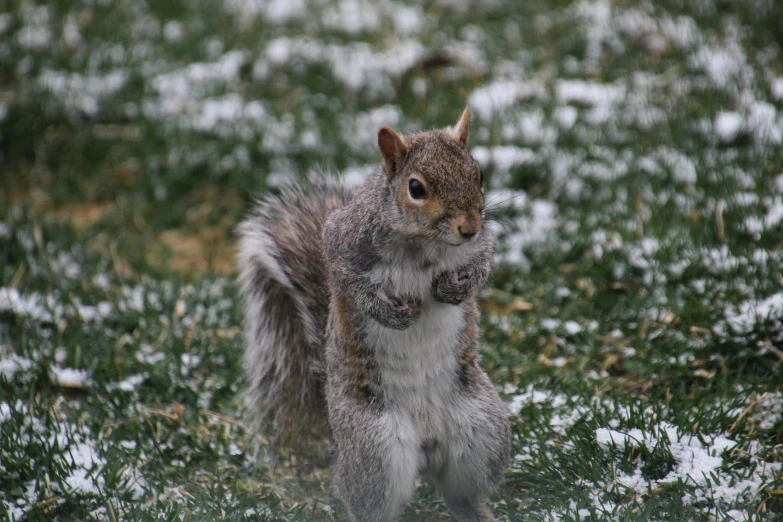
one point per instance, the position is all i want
(361, 306)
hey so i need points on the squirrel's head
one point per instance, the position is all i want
(435, 182)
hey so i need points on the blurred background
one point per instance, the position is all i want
(632, 150)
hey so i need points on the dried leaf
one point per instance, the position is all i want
(611, 360)
(179, 308)
(82, 215)
(700, 331)
(518, 305)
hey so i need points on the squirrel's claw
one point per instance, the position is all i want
(453, 287)
(396, 312)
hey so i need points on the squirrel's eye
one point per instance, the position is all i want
(481, 177)
(416, 189)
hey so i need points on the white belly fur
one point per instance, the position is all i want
(418, 367)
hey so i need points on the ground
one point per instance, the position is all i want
(634, 322)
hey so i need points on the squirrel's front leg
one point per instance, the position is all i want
(453, 287)
(396, 312)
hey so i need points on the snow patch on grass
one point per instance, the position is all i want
(502, 159)
(493, 99)
(728, 125)
(533, 225)
(129, 384)
(82, 94)
(70, 378)
(562, 410)
(81, 459)
(695, 460)
(755, 312)
(11, 365)
(600, 98)
(273, 11)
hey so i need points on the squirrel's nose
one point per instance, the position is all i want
(466, 226)
(467, 234)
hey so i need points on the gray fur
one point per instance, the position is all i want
(283, 283)
(383, 308)
(451, 424)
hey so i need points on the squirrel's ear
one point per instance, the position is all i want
(393, 148)
(461, 131)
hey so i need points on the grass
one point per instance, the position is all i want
(634, 321)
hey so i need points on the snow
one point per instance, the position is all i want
(532, 396)
(274, 11)
(5, 22)
(764, 124)
(70, 377)
(5, 412)
(533, 227)
(358, 66)
(753, 312)
(355, 176)
(774, 213)
(364, 127)
(588, 92)
(130, 384)
(81, 458)
(33, 305)
(502, 159)
(12, 364)
(763, 411)
(13, 512)
(566, 116)
(35, 35)
(82, 94)
(678, 164)
(572, 327)
(550, 324)
(48, 308)
(724, 64)
(408, 20)
(560, 410)
(698, 461)
(187, 96)
(728, 125)
(776, 88)
(601, 98)
(351, 16)
(495, 98)
(694, 461)
(173, 31)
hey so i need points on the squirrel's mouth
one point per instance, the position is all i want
(452, 241)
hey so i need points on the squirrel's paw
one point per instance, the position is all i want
(398, 312)
(403, 307)
(453, 287)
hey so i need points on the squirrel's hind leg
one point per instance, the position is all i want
(476, 454)
(376, 465)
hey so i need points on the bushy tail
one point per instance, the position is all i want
(282, 275)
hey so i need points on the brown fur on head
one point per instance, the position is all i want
(437, 185)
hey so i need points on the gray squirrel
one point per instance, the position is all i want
(362, 305)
